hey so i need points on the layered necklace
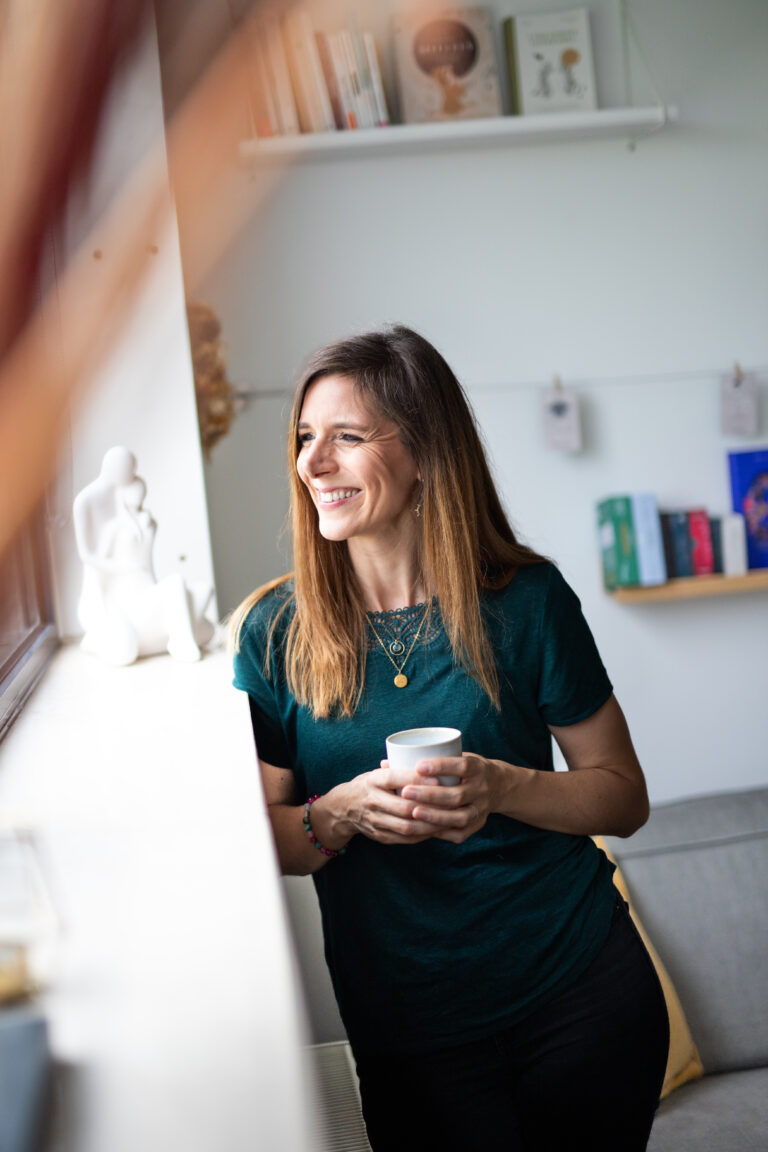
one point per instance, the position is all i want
(395, 649)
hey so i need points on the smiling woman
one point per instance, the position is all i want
(467, 922)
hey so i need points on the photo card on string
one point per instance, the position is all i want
(562, 418)
(738, 403)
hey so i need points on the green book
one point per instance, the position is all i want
(618, 545)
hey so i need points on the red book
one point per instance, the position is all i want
(701, 542)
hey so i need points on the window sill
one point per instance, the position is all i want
(175, 993)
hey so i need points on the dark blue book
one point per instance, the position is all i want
(749, 494)
(678, 547)
(716, 530)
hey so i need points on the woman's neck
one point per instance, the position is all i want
(388, 580)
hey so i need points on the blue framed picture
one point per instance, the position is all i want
(749, 494)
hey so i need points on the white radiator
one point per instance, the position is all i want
(341, 1125)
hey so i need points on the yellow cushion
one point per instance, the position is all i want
(683, 1063)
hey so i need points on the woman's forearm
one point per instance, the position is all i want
(296, 854)
(583, 801)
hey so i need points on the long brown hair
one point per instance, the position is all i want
(466, 544)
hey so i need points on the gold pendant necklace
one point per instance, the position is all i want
(401, 679)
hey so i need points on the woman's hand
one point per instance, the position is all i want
(457, 811)
(372, 805)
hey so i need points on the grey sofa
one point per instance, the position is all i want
(698, 877)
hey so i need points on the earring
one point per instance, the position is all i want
(419, 499)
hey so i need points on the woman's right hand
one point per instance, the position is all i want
(369, 804)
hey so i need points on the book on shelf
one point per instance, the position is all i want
(312, 100)
(631, 545)
(379, 95)
(678, 548)
(347, 97)
(263, 114)
(729, 544)
(716, 535)
(360, 94)
(702, 556)
(331, 79)
(367, 97)
(733, 536)
(648, 541)
(749, 495)
(285, 103)
(446, 65)
(550, 63)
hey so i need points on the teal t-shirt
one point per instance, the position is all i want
(435, 944)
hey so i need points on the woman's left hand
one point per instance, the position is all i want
(459, 810)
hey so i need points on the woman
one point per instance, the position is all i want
(494, 991)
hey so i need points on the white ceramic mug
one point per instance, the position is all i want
(405, 749)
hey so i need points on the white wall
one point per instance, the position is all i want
(639, 276)
(144, 394)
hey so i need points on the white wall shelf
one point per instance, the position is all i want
(630, 123)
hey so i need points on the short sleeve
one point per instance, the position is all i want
(573, 681)
(251, 677)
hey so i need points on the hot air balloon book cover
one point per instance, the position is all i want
(446, 65)
(549, 57)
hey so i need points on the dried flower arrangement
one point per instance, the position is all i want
(215, 395)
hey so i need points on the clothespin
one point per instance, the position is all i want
(557, 383)
(738, 375)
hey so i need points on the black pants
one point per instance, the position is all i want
(585, 1071)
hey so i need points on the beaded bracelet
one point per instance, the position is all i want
(312, 838)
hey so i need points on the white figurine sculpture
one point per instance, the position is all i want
(124, 610)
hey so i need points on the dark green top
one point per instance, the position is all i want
(435, 944)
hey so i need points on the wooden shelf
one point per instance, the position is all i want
(631, 123)
(694, 587)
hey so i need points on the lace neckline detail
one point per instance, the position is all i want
(393, 615)
(401, 625)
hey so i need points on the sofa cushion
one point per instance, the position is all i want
(727, 1113)
(683, 1063)
(697, 872)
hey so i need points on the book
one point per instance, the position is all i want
(268, 84)
(702, 557)
(716, 533)
(363, 108)
(343, 80)
(259, 95)
(652, 566)
(617, 542)
(669, 550)
(379, 96)
(312, 100)
(367, 97)
(287, 116)
(550, 63)
(331, 79)
(749, 495)
(678, 546)
(734, 540)
(445, 65)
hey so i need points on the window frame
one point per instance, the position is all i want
(25, 663)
